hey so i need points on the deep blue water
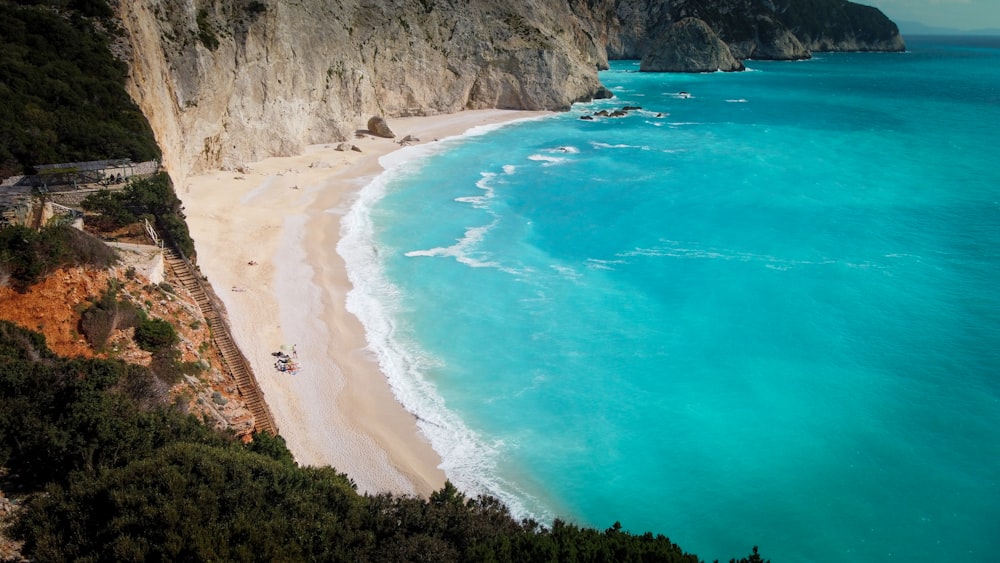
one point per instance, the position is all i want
(765, 314)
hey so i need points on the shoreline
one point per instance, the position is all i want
(266, 238)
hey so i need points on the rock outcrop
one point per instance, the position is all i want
(378, 127)
(689, 46)
(232, 81)
(842, 26)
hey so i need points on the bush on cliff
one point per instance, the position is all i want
(155, 335)
(27, 255)
(147, 198)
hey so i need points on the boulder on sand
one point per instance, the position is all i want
(378, 127)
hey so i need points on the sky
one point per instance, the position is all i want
(958, 14)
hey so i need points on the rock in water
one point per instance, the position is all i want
(689, 46)
(378, 127)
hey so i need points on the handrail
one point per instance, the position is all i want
(233, 359)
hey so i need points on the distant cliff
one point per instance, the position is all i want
(231, 81)
(663, 33)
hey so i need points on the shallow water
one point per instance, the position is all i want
(765, 314)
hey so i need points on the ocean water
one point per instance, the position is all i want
(763, 313)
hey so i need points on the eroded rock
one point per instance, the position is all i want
(377, 126)
(689, 46)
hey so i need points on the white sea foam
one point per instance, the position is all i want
(737, 101)
(464, 249)
(566, 272)
(567, 149)
(598, 145)
(652, 114)
(675, 249)
(484, 182)
(509, 169)
(481, 201)
(598, 264)
(469, 461)
(547, 160)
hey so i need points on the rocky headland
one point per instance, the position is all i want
(230, 82)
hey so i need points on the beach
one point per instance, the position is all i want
(266, 238)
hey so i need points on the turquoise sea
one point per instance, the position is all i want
(764, 313)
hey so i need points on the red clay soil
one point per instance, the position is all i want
(51, 307)
(54, 305)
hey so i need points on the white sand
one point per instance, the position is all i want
(339, 409)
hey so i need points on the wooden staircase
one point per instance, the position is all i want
(234, 360)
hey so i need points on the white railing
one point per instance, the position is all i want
(152, 233)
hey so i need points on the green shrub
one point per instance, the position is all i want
(166, 367)
(272, 446)
(27, 256)
(154, 335)
(190, 368)
(152, 198)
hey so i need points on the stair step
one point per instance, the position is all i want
(234, 361)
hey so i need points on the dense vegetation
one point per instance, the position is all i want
(27, 255)
(126, 477)
(62, 93)
(148, 198)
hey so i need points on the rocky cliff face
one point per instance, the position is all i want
(228, 81)
(224, 82)
(752, 29)
(691, 46)
(841, 26)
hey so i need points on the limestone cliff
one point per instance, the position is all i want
(228, 81)
(224, 82)
(689, 46)
(841, 26)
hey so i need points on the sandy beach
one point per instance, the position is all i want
(266, 238)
